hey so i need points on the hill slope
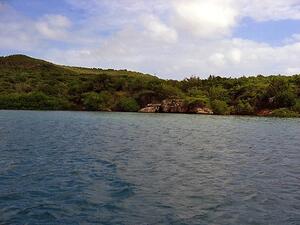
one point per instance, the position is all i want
(28, 83)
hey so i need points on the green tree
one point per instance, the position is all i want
(218, 93)
(127, 104)
(284, 112)
(97, 102)
(244, 108)
(296, 107)
(220, 107)
(284, 98)
(280, 93)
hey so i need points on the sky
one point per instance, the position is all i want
(172, 39)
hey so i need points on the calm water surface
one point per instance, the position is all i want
(122, 168)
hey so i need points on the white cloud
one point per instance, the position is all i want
(230, 57)
(293, 70)
(170, 38)
(180, 38)
(206, 18)
(16, 31)
(21, 33)
(158, 30)
(217, 59)
(236, 56)
(265, 10)
(53, 26)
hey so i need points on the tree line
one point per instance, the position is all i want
(27, 83)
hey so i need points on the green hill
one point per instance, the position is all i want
(28, 83)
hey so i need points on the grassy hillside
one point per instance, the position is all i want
(27, 83)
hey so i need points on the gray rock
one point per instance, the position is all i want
(174, 106)
(151, 108)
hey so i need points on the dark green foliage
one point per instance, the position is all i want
(279, 93)
(244, 108)
(200, 101)
(35, 100)
(284, 112)
(27, 83)
(97, 102)
(218, 93)
(296, 107)
(127, 104)
(220, 107)
(285, 98)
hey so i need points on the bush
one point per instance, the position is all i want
(127, 104)
(35, 100)
(244, 108)
(280, 93)
(197, 101)
(196, 92)
(285, 99)
(97, 102)
(296, 107)
(284, 112)
(169, 91)
(218, 93)
(277, 85)
(220, 107)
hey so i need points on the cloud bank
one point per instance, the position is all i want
(169, 38)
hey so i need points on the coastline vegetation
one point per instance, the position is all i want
(28, 83)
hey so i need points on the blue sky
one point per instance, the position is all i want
(272, 32)
(169, 38)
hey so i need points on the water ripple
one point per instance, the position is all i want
(123, 168)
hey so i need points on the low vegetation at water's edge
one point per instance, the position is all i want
(27, 83)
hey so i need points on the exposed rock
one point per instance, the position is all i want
(264, 112)
(203, 110)
(271, 100)
(174, 106)
(151, 108)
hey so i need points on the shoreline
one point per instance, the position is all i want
(156, 113)
(33, 84)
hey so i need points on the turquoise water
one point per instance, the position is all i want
(129, 168)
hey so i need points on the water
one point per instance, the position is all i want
(122, 168)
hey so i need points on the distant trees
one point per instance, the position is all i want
(27, 83)
(296, 107)
(244, 108)
(284, 112)
(279, 93)
(97, 101)
(34, 100)
(127, 104)
(220, 107)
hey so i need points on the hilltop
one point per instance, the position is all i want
(28, 83)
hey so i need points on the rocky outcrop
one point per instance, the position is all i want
(175, 106)
(151, 108)
(264, 112)
(203, 110)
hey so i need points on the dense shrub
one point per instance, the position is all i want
(27, 83)
(127, 104)
(244, 108)
(284, 112)
(97, 102)
(218, 93)
(33, 101)
(284, 98)
(197, 101)
(296, 107)
(220, 107)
